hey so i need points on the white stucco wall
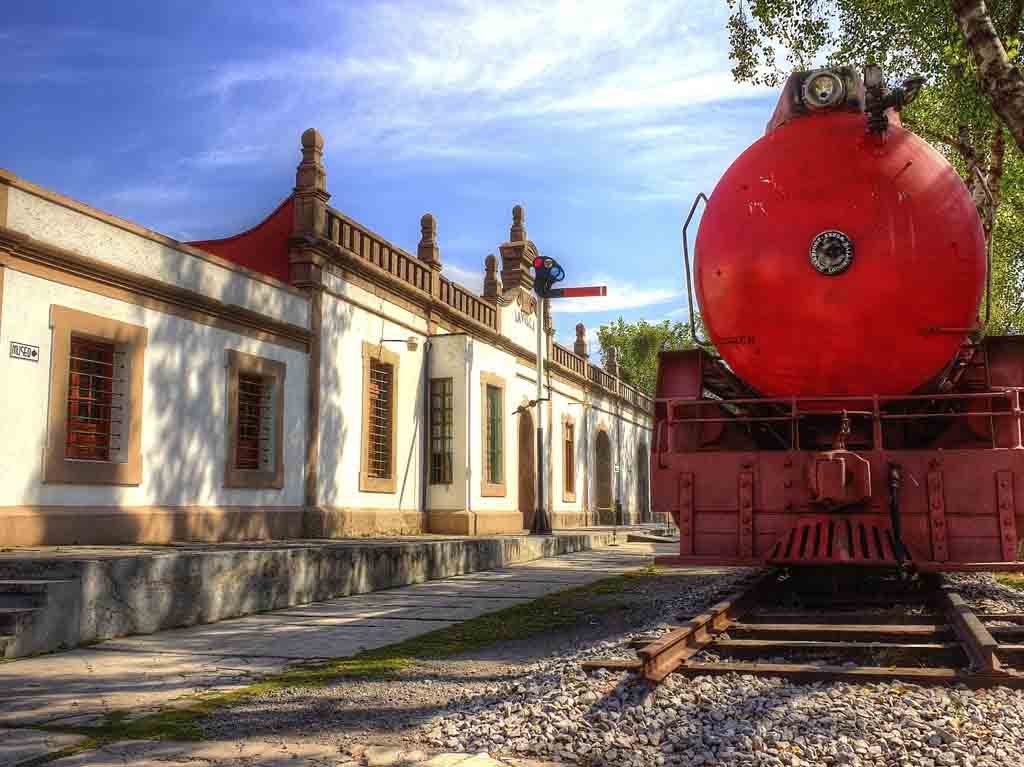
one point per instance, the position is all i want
(483, 358)
(77, 232)
(519, 326)
(345, 327)
(184, 421)
(448, 359)
(627, 429)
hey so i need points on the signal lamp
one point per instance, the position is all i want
(823, 89)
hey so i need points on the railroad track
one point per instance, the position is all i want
(815, 628)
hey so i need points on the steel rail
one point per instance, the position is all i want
(739, 630)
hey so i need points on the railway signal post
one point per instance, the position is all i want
(547, 272)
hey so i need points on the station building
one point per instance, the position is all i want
(305, 378)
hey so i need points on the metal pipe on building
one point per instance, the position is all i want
(425, 460)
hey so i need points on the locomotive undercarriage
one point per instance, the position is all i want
(932, 481)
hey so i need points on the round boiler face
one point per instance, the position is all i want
(830, 263)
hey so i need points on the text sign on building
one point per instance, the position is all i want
(525, 319)
(24, 352)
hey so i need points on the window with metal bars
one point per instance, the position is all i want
(379, 421)
(254, 448)
(96, 385)
(495, 436)
(570, 458)
(441, 431)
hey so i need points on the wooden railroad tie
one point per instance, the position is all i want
(950, 645)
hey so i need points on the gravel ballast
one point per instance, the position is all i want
(557, 711)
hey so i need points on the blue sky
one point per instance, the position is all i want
(603, 119)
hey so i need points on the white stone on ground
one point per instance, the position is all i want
(559, 712)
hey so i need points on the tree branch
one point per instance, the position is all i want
(965, 150)
(999, 78)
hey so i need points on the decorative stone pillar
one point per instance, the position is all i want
(611, 366)
(492, 282)
(428, 251)
(311, 195)
(580, 347)
(517, 254)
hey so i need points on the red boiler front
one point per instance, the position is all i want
(830, 261)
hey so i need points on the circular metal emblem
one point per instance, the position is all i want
(831, 252)
(823, 89)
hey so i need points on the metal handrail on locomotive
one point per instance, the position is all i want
(847, 407)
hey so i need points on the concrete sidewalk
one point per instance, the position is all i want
(147, 672)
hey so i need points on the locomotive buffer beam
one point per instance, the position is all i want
(950, 645)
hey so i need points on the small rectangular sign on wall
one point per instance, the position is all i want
(24, 352)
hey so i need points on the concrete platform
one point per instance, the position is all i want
(65, 597)
(146, 672)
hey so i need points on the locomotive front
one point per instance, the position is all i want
(855, 415)
(835, 259)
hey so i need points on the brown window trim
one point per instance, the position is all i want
(56, 467)
(241, 363)
(568, 494)
(368, 484)
(492, 489)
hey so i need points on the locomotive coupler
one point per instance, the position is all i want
(839, 478)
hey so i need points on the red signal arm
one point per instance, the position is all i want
(594, 290)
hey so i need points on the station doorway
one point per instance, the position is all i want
(603, 479)
(643, 485)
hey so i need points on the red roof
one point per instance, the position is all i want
(264, 248)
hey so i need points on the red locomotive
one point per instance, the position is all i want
(856, 414)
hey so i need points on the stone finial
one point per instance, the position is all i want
(518, 231)
(311, 186)
(517, 254)
(611, 365)
(310, 174)
(579, 347)
(428, 251)
(492, 281)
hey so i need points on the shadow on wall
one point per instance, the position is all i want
(184, 442)
(333, 427)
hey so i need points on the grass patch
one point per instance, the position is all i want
(1014, 580)
(548, 614)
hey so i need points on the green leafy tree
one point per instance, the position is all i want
(637, 345)
(953, 44)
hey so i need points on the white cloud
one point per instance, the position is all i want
(228, 156)
(152, 194)
(449, 80)
(621, 297)
(469, 278)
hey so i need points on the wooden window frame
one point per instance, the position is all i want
(368, 484)
(57, 468)
(490, 489)
(451, 462)
(241, 363)
(568, 467)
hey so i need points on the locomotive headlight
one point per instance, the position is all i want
(823, 89)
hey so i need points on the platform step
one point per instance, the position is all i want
(12, 618)
(26, 592)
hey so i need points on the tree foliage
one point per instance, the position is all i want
(954, 112)
(637, 345)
